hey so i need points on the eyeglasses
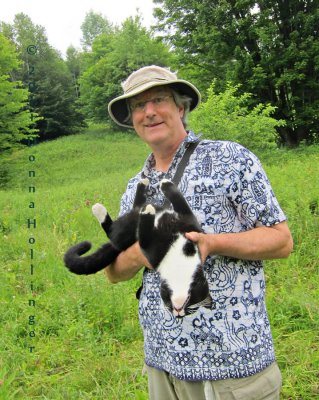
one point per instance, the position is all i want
(156, 101)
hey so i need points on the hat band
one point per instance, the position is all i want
(131, 88)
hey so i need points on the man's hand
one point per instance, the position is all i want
(201, 240)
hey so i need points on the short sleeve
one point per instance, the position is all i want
(252, 193)
(128, 197)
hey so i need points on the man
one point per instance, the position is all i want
(225, 352)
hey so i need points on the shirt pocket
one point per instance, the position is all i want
(213, 209)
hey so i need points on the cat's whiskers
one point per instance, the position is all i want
(204, 303)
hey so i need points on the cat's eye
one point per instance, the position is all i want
(156, 101)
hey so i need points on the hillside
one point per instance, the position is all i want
(80, 337)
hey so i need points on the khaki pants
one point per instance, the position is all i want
(263, 386)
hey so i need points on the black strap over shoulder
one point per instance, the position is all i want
(184, 161)
(182, 165)
(176, 179)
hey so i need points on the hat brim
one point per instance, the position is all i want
(118, 107)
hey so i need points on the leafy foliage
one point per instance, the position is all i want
(47, 77)
(111, 61)
(93, 26)
(269, 47)
(15, 118)
(266, 48)
(226, 116)
(74, 63)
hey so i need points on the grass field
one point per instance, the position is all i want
(83, 332)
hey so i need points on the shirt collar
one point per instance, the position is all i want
(148, 169)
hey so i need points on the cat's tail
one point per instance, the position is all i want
(92, 263)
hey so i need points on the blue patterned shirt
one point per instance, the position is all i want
(228, 191)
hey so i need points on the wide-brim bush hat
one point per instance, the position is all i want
(146, 78)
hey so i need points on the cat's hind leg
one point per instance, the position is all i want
(101, 214)
(145, 227)
(147, 235)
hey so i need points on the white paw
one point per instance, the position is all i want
(149, 209)
(145, 181)
(164, 181)
(99, 211)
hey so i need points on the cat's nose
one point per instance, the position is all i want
(179, 304)
(179, 313)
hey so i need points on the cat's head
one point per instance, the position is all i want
(186, 293)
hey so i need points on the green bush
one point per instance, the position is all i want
(227, 116)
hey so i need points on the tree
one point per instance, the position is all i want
(93, 26)
(269, 47)
(114, 56)
(73, 62)
(16, 119)
(55, 99)
(47, 77)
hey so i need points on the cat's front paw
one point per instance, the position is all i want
(145, 182)
(165, 184)
(149, 209)
(99, 211)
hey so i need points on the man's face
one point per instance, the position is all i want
(156, 118)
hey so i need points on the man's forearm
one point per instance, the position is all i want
(127, 264)
(261, 243)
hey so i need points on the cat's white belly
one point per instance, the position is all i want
(178, 270)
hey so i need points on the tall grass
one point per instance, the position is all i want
(88, 344)
(293, 284)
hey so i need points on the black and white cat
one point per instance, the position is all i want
(160, 232)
